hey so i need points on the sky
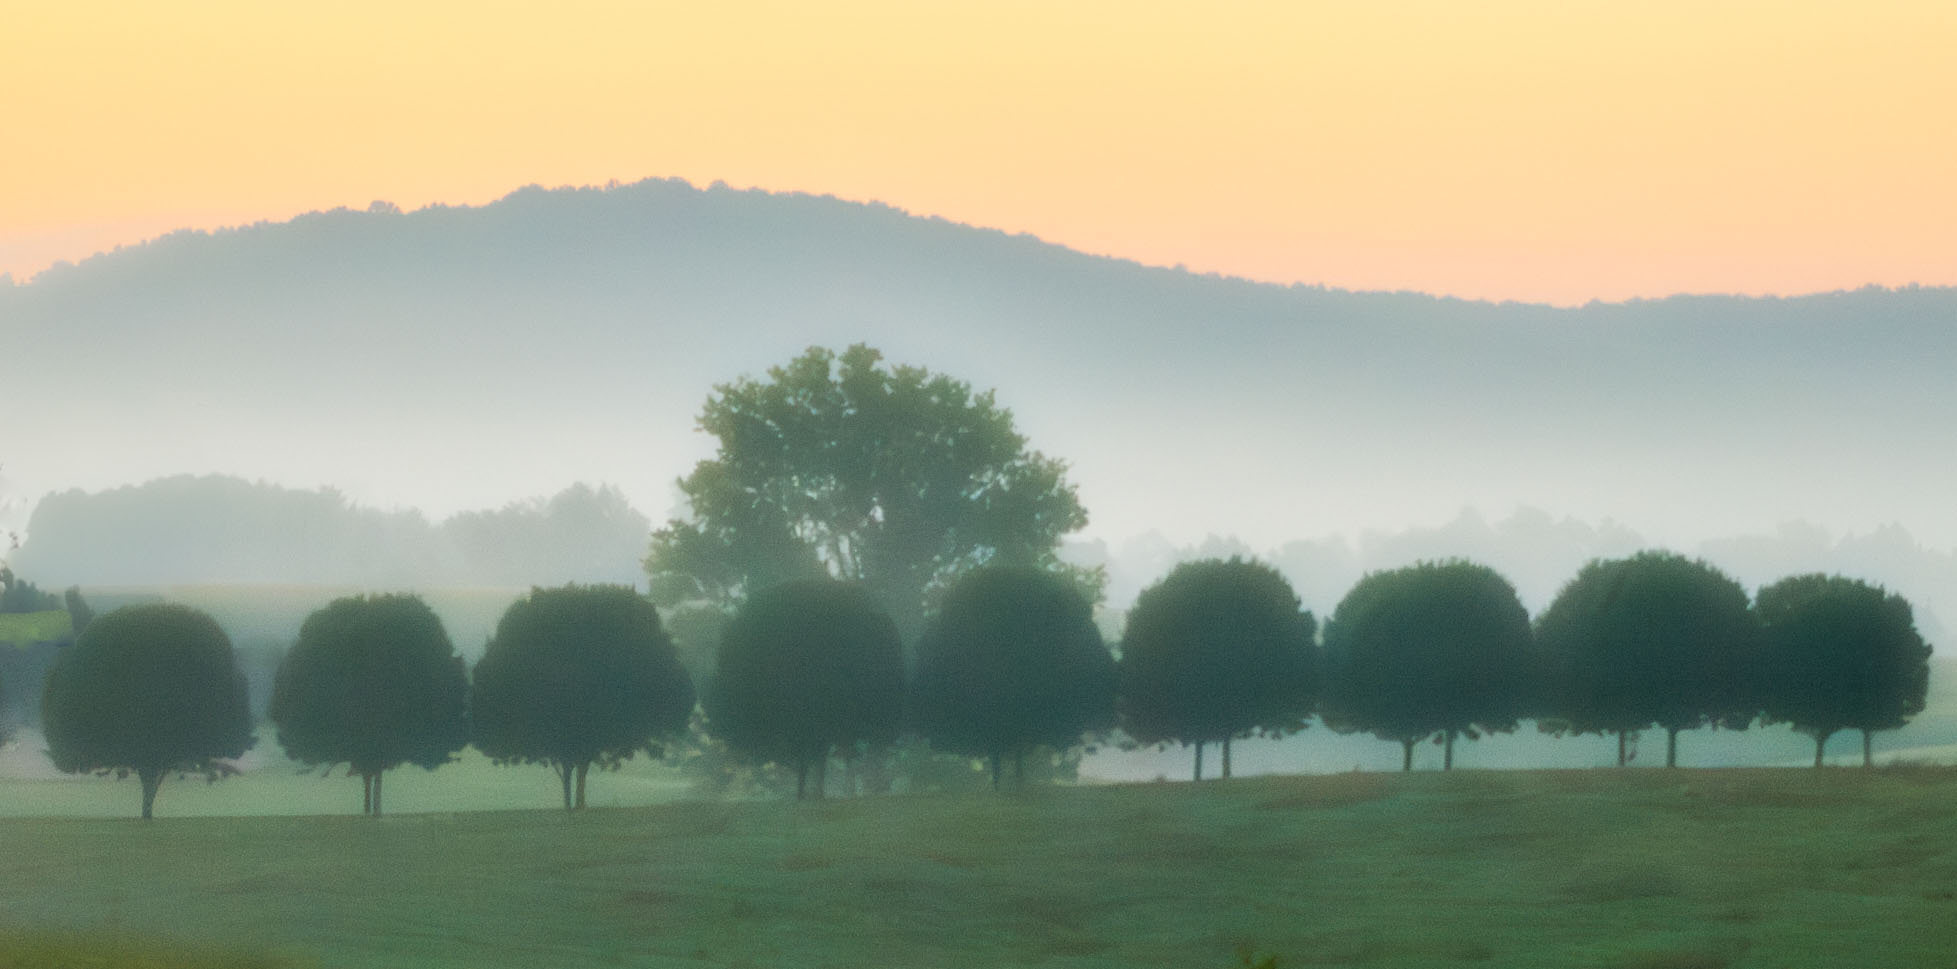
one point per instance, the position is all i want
(1558, 151)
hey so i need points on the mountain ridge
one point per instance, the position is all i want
(402, 354)
(64, 269)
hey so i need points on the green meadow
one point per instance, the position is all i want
(22, 628)
(30, 787)
(477, 866)
(1618, 869)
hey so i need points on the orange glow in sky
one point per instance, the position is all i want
(1562, 150)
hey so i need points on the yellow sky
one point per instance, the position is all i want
(1560, 150)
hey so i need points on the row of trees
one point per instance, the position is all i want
(858, 521)
(579, 676)
(1440, 650)
(574, 676)
(1653, 640)
(808, 669)
(904, 481)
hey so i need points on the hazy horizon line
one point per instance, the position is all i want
(1647, 535)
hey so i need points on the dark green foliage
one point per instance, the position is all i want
(1217, 650)
(19, 595)
(896, 478)
(147, 689)
(374, 683)
(576, 676)
(1013, 661)
(1840, 655)
(1437, 647)
(805, 668)
(79, 614)
(1654, 638)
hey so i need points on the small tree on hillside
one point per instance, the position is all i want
(1215, 651)
(375, 683)
(1654, 638)
(1437, 647)
(1840, 654)
(147, 689)
(1012, 661)
(576, 676)
(803, 668)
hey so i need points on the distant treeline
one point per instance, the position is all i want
(813, 672)
(188, 530)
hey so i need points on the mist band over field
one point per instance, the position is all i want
(459, 358)
(261, 558)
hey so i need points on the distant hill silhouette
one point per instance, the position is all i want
(463, 356)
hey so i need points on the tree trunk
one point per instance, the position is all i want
(1447, 752)
(1406, 755)
(995, 770)
(1820, 742)
(1867, 760)
(151, 780)
(1620, 748)
(1199, 760)
(584, 767)
(564, 775)
(1671, 746)
(374, 806)
(1226, 758)
(366, 793)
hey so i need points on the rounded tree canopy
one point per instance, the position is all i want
(1654, 638)
(1215, 650)
(838, 465)
(578, 674)
(1013, 660)
(1840, 654)
(374, 682)
(803, 667)
(146, 688)
(1432, 647)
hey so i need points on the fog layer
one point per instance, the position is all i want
(455, 358)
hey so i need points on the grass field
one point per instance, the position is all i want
(26, 628)
(31, 787)
(1641, 869)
